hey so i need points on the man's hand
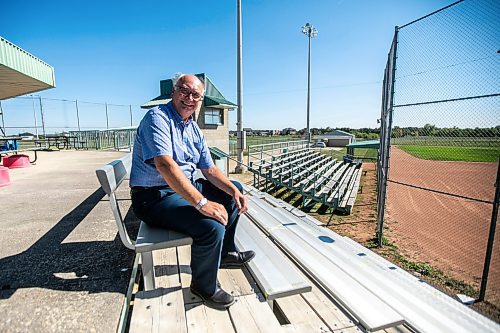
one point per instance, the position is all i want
(215, 210)
(241, 202)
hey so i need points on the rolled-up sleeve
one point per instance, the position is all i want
(156, 136)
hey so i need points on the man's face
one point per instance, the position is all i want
(188, 96)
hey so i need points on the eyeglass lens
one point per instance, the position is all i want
(186, 92)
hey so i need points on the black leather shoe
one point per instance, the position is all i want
(236, 259)
(220, 300)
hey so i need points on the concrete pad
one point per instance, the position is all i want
(63, 267)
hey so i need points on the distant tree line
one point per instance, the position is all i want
(360, 133)
(397, 132)
(427, 130)
(431, 130)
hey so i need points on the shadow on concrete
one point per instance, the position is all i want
(95, 266)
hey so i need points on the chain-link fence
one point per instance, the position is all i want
(40, 116)
(440, 145)
(259, 140)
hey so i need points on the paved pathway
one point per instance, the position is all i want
(62, 266)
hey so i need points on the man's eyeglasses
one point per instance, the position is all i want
(186, 92)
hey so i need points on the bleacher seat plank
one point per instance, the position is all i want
(273, 272)
(158, 310)
(332, 182)
(397, 329)
(300, 314)
(252, 313)
(328, 311)
(184, 258)
(354, 192)
(341, 187)
(350, 188)
(258, 213)
(424, 307)
(202, 319)
(237, 281)
(321, 171)
(166, 268)
(315, 165)
(372, 312)
(323, 174)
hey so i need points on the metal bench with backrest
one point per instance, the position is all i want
(110, 177)
(275, 275)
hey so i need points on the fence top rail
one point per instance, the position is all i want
(277, 144)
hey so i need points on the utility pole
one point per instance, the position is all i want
(239, 122)
(310, 32)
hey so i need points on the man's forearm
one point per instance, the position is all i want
(176, 179)
(216, 177)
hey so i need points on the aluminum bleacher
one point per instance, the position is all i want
(317, 178)
(376, 292)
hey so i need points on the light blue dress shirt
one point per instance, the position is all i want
(163, 132)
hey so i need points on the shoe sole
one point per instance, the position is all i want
(217, 306)
(237, 265)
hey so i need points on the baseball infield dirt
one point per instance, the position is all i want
(448, 232)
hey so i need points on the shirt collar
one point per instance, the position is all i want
(175, 115)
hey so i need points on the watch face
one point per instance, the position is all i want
(201, 203)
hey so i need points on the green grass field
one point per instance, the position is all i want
(443, 153)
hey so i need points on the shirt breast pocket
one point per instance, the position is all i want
(198, 148)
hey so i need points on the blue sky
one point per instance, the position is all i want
(117, 52)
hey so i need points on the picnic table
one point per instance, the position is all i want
(8, 143)
(61, 142)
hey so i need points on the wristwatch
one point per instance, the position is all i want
(201, 203)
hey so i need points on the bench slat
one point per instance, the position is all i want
(274, 273)
(150, 239)
(159, 310)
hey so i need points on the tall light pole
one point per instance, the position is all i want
(310, 32)
(239, 121)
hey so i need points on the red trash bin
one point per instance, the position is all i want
(16, 161)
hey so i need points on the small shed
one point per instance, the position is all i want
(213, 115)
(336, 138)
(369, 144)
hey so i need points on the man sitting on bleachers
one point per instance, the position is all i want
(168, 149)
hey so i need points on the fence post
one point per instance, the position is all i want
(491, 238)
(384, 158)
(77, 117)
(130, 110)
(3, 123)
(107, 120)
(34, 115)
(43, 118)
